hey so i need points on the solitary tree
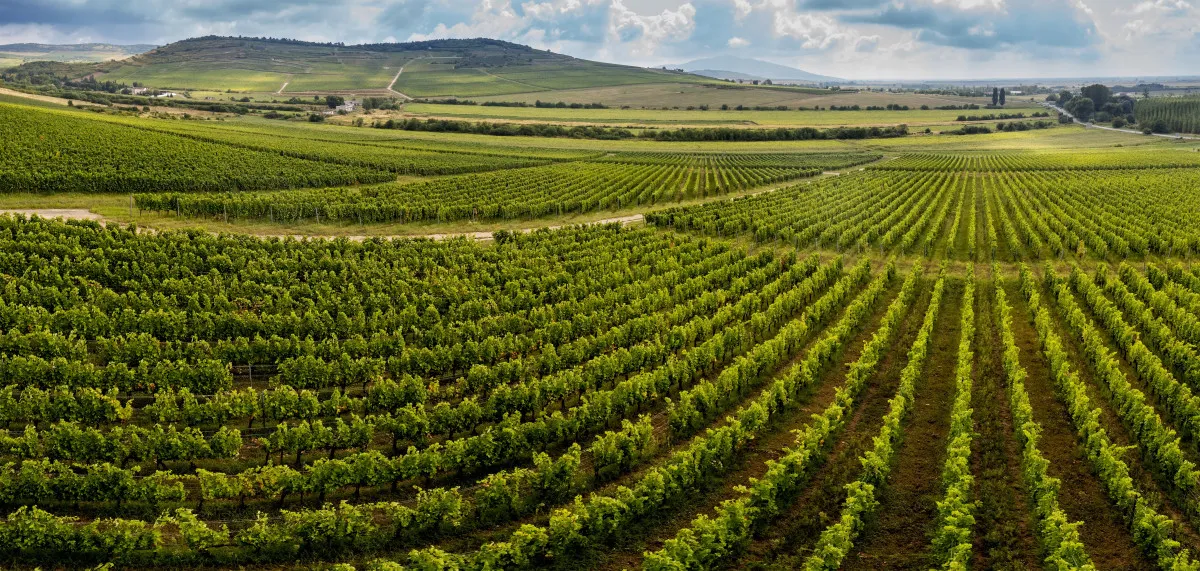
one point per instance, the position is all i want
(995, 96)
(1001, 96)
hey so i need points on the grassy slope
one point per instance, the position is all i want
(791, 118)
(258, 66)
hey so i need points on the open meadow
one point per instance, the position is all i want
(300, 344)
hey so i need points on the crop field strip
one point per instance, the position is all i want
(419, 157)
(47, 151)
(48, 156)
(240, 401)
(1140, 210)
(535, 192)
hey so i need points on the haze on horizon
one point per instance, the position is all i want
(853, 39)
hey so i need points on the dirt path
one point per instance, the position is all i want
(282, 87)
(536, 88)
(482, 236)
(84, 214)
(1005, 529)
(64, 213)
(42, 98)
(394, 80)
(899, 536)
(1082, 496)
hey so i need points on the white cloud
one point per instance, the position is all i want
(1159, 6)
(1135, 29)
(866, 43)
(647, 33)
(736, 42)
(741, 9)
(972, 4)
(814, 31)
(492, 18)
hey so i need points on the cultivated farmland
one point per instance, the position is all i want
(927, 351)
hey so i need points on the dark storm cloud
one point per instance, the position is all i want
(237, 9)
(68, 15)
(1046, 24)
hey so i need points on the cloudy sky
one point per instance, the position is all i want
(857, 39)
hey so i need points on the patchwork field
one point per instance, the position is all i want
(713, 116)
(923, 352)
(682, 95)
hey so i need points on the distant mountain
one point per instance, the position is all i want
(724, 74)
(747, 68)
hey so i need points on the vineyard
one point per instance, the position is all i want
(815, 356)
(573, 187)
(48, 152)
(1002, 215)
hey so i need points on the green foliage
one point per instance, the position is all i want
(50, 151)
(952, 542)
(1089, 207)
(1169, 114)
(1099, 93)
(1064, 546)
(516, 193)
(1151, 530)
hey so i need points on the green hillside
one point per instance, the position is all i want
(438, 68)
(17, 54)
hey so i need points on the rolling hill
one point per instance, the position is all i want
(732, 67)
(17, 54)
(436, 68)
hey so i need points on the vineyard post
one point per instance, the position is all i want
(225, 212)
(131, 207)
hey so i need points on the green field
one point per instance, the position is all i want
(792, 118)
(423, 78)
(714, 94)
(199, 76)
(445, 78)
(924, 352)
